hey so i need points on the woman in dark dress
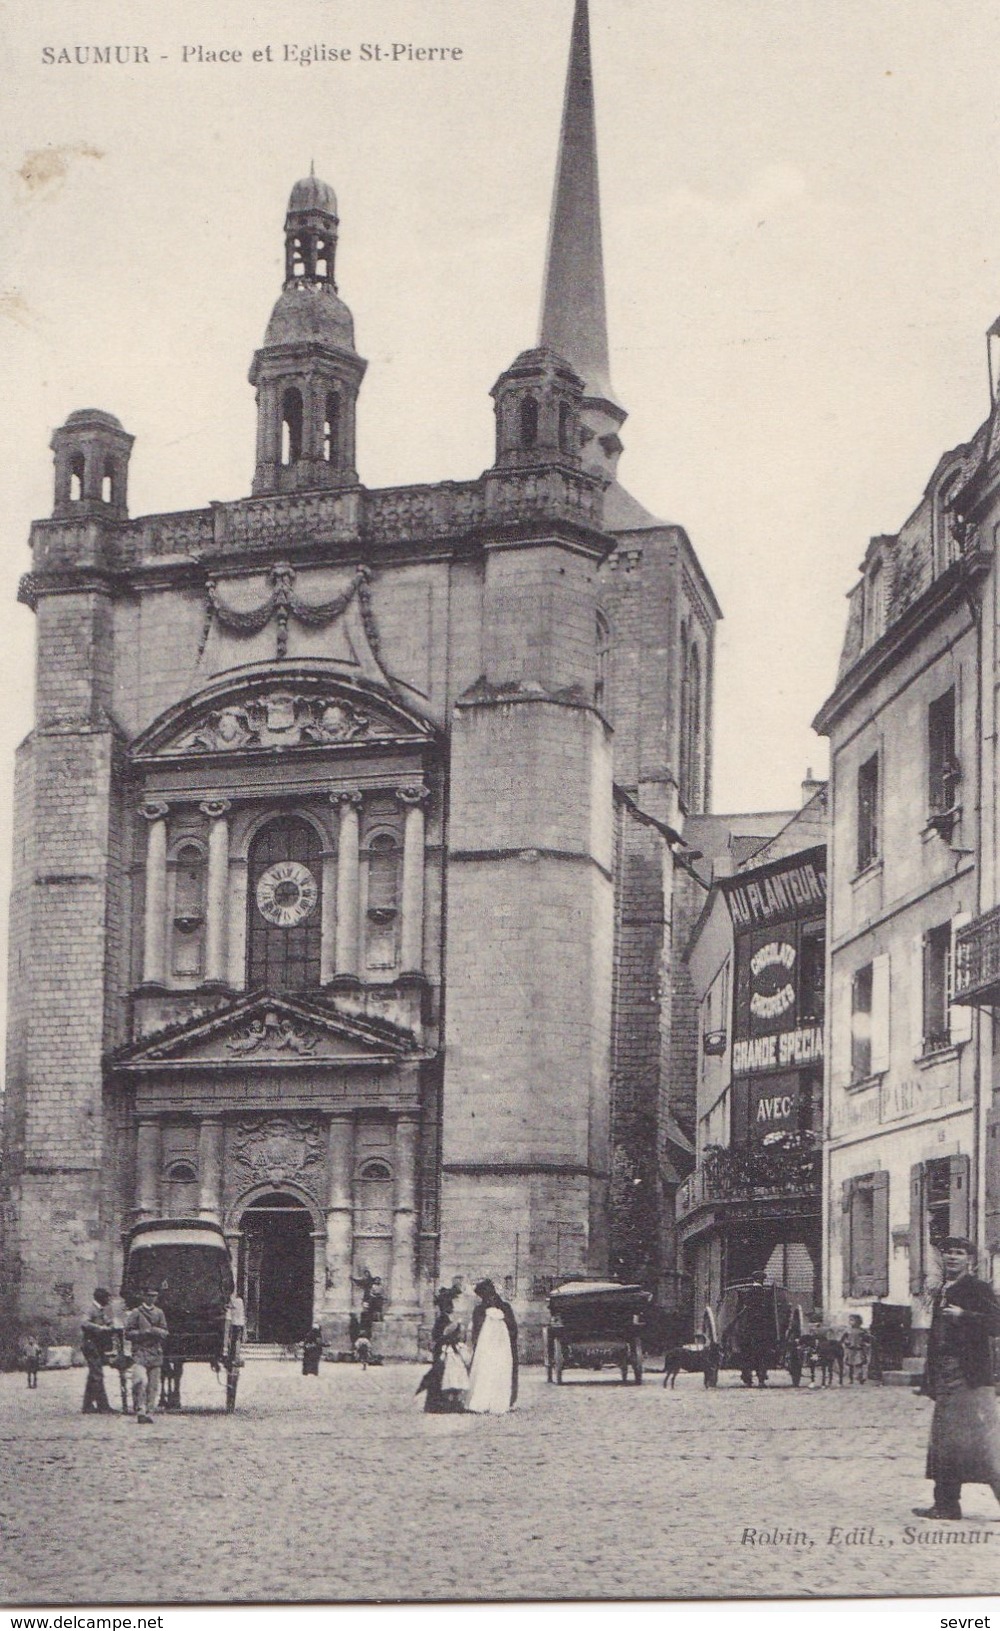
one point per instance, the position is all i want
(965, 1430)
(445, 1336)
(312, 1352)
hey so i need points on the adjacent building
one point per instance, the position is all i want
(911, 1060)
(756, 958)
(344, 839)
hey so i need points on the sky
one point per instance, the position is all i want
(802, 255)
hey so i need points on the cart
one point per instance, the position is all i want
(187, 1260)
(725, 1329)
(593, 1322)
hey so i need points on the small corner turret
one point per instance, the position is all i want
(307, 372)
(537, 411)
(91, 467)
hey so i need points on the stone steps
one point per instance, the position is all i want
(909, 1376)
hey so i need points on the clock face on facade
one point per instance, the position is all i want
(286, 894)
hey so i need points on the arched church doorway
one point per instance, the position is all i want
(276, 1268)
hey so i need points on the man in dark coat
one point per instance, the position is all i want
(758, 1332)
(98, 1341)
(965, 1430)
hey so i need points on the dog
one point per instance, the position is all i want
(827, 1353)
(700, 1357)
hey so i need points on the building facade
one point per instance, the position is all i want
(913, 789)
(343, 837)
(757, 963)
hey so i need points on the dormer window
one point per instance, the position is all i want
(875, 605)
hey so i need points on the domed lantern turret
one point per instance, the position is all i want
(307, 372)
(91, 457)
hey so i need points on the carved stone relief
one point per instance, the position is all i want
(277, 1149)
(274, 1033)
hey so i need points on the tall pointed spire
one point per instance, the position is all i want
(574, 320)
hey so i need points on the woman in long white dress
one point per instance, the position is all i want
(493, 1375)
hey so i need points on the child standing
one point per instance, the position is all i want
(857, 1349)
(32, 1359)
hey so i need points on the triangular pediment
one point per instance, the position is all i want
(303, 706)
(266, 1030)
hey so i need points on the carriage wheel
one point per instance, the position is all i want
(637, 1361)
(557, 1359)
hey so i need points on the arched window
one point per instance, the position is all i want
(529, 421)
(683, 725)
(694, 798)
(322, 258)
(291, 427)
(601, 663)
(383, 900)
(284, 906)
(565, 428)
(331, 428)
(180, 1185)
(373, 1199)
(108, 482)
(298, 261)
(189, 911)
(76, 477)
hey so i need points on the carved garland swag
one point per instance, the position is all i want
(283, 603)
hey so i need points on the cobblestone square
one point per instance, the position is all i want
(339, 1489)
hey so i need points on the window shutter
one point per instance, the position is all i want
(918, 1252)
(846, 1194)
(958, 1195)
(959, 1013)
(880, 1014)
(992, 1241)
(917, 995)
(880, 1234)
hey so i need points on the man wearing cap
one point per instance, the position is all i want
(147, 1328)
(98, 1340)
(965, 1430)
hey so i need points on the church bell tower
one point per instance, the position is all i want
(307, 372)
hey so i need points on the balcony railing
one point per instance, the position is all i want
(977, 960)
(789, 1168)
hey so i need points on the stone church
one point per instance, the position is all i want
(344, 839)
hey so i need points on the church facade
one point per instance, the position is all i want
(343, 839)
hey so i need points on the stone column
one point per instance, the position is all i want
(347, 951)
(238, 877)
(218, 887)
(328, 922)
(411, 955)
(147, 1170)
(404, 1216)
(210, 1169)
(154, 944)
(339, 1218)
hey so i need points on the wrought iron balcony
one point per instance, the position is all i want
(977, 961)
(737, 1175)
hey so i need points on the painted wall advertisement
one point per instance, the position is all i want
(778, 914)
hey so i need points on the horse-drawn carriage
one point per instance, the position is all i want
(186, 1260)
(594, 1322)
(754, 1328)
